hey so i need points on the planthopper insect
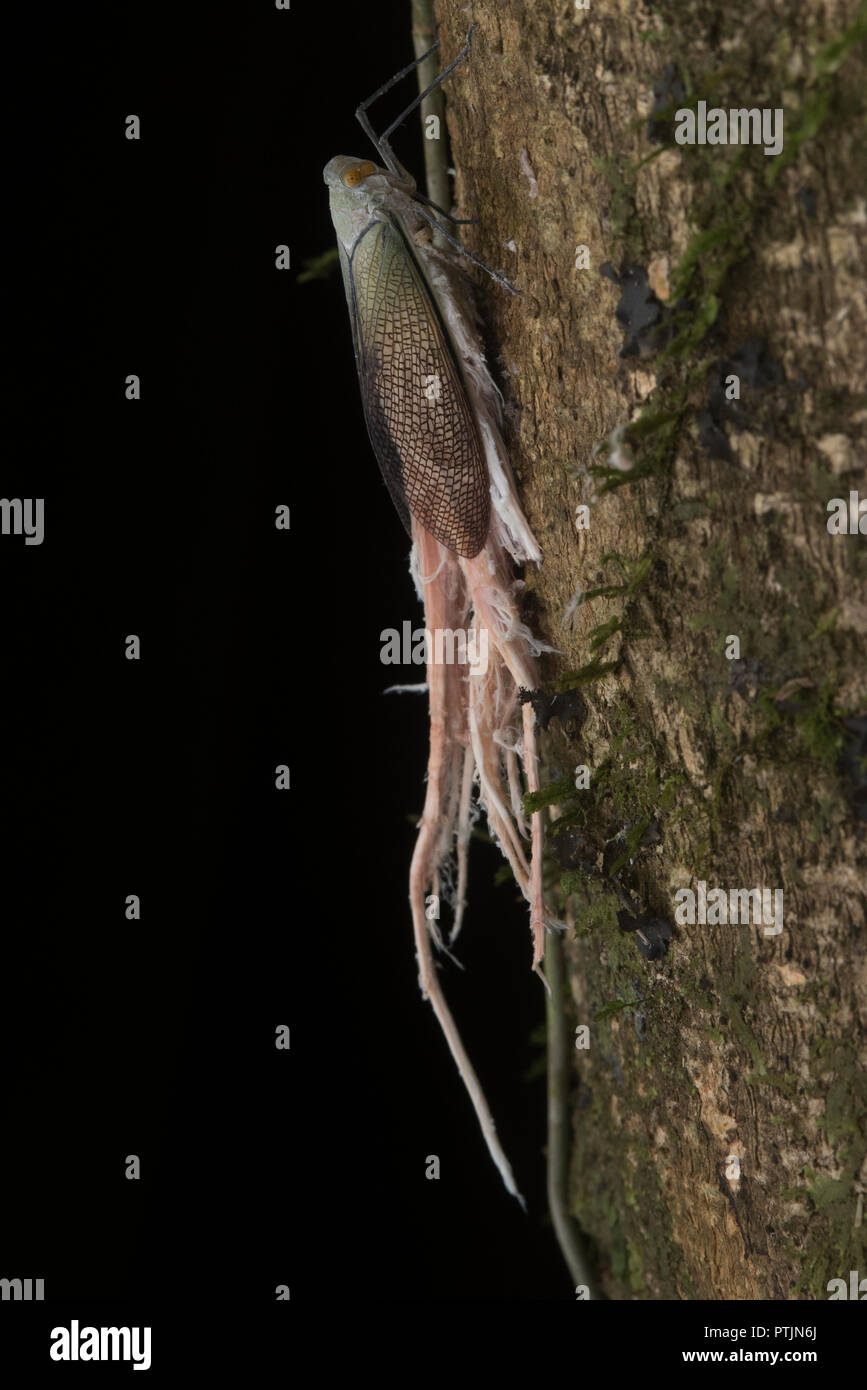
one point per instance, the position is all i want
(433, 416)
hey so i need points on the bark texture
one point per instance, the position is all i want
(707, 520)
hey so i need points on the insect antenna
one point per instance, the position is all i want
(380, 142)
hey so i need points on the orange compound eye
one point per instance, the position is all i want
(362, 171)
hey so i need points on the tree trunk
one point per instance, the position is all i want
(698, 386)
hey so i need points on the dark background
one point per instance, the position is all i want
(259, 647)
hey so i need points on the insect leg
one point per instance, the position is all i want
(458, 221)
(453, 241)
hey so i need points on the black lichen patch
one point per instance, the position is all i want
(571, 848)
(755, 368)
(652, 835)
(652, 938)
(852, 764)
(643, 317)
(806, 196)
(652, 934)
(744, 677)
(713, 437)
(668, 95)
(628, 921)
(620, 850)
(567, 706)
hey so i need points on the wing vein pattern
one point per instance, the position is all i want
(418, 417)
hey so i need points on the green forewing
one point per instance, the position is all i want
(420, 422)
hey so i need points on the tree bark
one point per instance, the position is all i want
(737, 764)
